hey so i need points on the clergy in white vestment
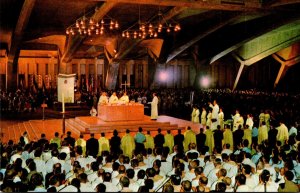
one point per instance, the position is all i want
(214, 115)
(103, 100)
(236, 119)
(249, 121)
(221, 118)
(124, 99)
(154, 108)
(113, 99)
(283, 133)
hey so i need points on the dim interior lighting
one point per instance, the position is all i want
(152, 28)
(205, 81)
(87, 24)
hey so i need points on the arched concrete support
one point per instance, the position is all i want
(14, 51)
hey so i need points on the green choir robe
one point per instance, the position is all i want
(103, 145)
(82, 143)
(228, 138)
(169, 142)
(248, 136)
(283, 134)
(56, 140)
(262, 134)
(127, 145)
(189, 137)
(210, 140)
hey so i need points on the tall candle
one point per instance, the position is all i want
(63, 102)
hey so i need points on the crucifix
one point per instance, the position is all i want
(125, 84)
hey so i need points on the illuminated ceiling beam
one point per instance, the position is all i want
(75, 41)
(241, 43)
(202, 35)
(282, 2)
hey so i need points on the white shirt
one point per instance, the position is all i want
(243, 188)
(86, 187)
(270, 187)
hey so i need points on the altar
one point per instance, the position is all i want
(121, 112)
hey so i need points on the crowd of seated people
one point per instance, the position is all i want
(213, 160)
(153, 162)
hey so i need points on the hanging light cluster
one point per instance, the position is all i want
(89, 26)
(152, 28)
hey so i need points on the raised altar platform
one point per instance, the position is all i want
(121, 112)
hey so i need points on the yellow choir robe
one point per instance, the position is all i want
(57, 141)
(149, 143)
(82, 143)
(283, 133)
(262, 133)
(210, 142)
(193, 114)
(195, 118)
(169, 141)
(261, 118)
(228, 138)
(248, 136)
(267, 120)
(208, 122)
(189, 137)
(103, 145)
(203, 118)
(127, 145)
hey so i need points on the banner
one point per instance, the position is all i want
(65, 86)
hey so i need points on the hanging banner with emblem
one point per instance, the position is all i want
(65, 87)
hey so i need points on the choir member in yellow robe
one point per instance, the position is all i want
(261, 117)
(169, 141)
(203, 117)
(149, 143)
(267, 119)
(262, 132)
(209, 139)
(103, 144)
(189, 137)
(283, 133)
(127, 144)
(248, 134)
(209, 117)
(82, 143)
(193, 113)
(228, 137)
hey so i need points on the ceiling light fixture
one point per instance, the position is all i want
(151, 29)
(88, 25)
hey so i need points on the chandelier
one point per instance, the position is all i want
(88, 25)
(151, 29)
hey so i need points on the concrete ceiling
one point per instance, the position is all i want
(213, 25)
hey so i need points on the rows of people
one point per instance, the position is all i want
(147, 162)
